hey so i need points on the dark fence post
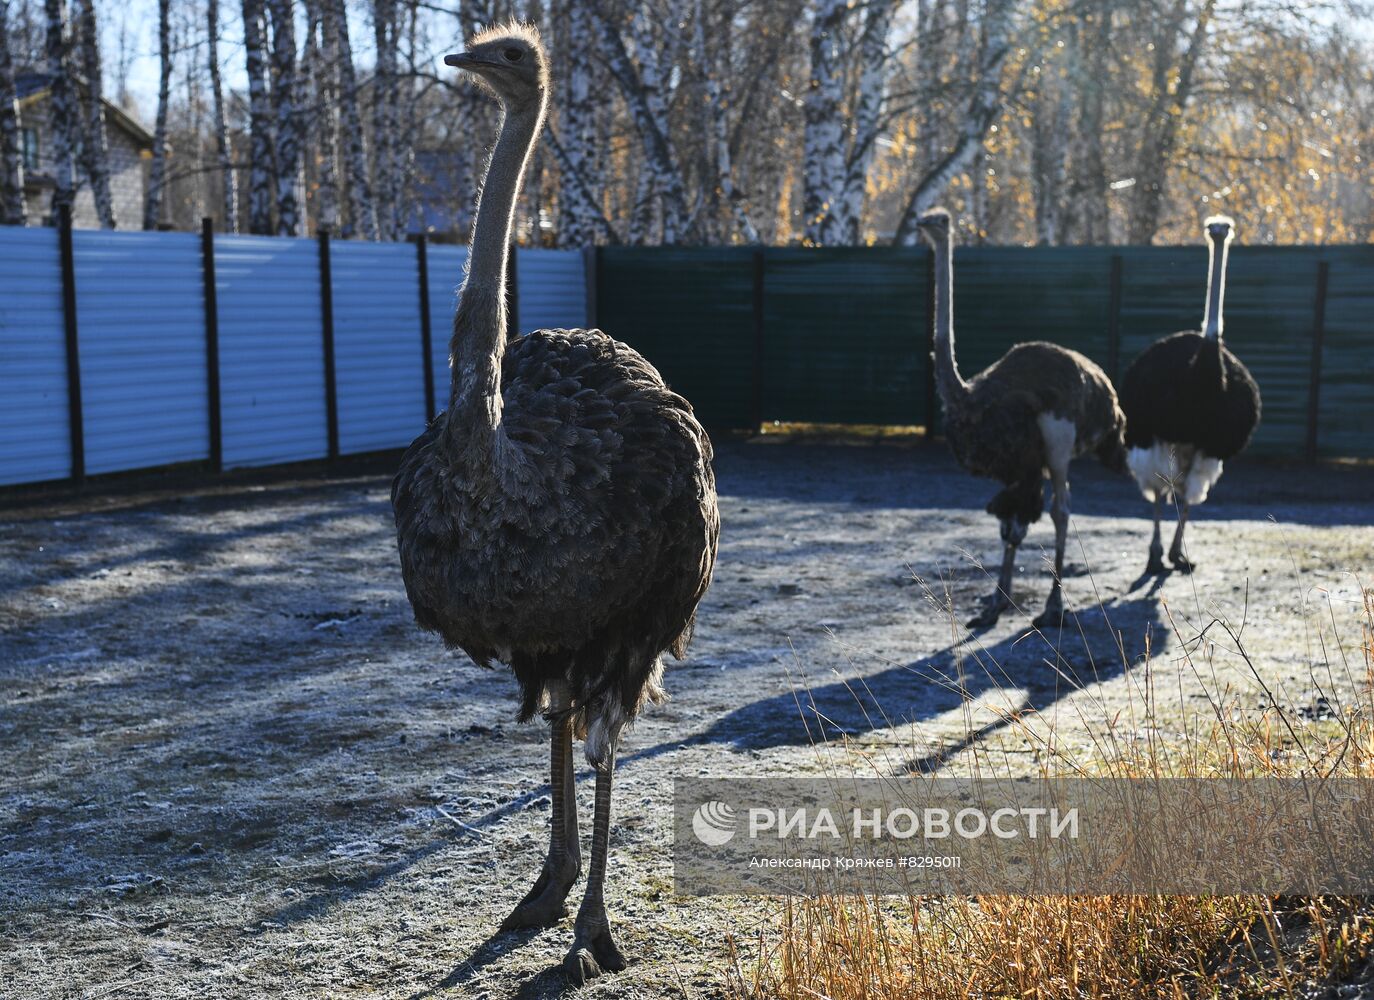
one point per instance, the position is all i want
(1114, 319)
(1314, 385)
(426, 333)
(756, 407)
(591, 260)
(512, 291)
(930, 346)
(77, 430)
(207, 272)
(331, 388)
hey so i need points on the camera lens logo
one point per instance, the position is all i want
(714, 823)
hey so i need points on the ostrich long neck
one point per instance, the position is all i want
(473, 432)
(947, 378)
(1216, 289)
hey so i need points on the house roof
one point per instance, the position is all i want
(32, 87)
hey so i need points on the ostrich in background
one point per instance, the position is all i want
(560, 515)
(1023, 418)
(1190, 405)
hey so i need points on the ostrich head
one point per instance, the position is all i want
(935, 226)
(1220, 228)
(510, 60)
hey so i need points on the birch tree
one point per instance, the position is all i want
(287, 115)
(868, 120)
(384, 124)
(157, 175)
(261, 154)
(13, 211)
(715, 75)
(95, 148)
(982, 111)
(362, 213)
(575, 143)
(823, 136)
(642, 87)
(229, 206)
(1172, 88)
(63, 111)
(319, 62)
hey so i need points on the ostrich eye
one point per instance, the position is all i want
(513, 55)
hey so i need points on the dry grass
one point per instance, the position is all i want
(845, 947)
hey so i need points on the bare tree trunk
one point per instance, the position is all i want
(321, 58)
(288, 117)
(717, 124)
(642, 89)
(1090, 181)
(823, 138)
(223, 153)
(13, 211)
(383, 116)
(983, 109)
(1049, 152)
(261, 167)
(580, 194)
(61, 102)
(95, 149)
(1172, 89)
(362, 212)
(157, 180)
(867, 118)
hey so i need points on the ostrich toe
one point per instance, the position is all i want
(545, 903)
(993, 606)
(592, 954)
(1182, 563)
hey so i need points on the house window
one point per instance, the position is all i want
(30, 148)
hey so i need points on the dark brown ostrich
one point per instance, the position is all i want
(1023, 418)
(1190, 406)
(559, 517)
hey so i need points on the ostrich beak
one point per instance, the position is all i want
(463, 60)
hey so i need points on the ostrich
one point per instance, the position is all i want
(1190, 406)
(559, 517)
(1023, 418)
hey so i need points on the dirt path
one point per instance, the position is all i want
(231, 764)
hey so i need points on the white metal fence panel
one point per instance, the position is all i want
(446, 265)
(35, 442)
(378, 349)
(140, 311)
(272, 385)
(553, 289)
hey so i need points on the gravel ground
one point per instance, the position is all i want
(232, 766)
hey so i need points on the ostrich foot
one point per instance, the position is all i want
(1156, 567)
(1183, 564)
(545, 903)
(1053, 615)
(993, 606)
(593, 953)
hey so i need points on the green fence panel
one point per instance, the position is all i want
(845, 335)
(690, 311)
(1345, 425)
(1269, 308)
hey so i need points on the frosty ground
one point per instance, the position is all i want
(231, 766)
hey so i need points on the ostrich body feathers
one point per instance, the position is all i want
(1187, 389)
(580, 558)
(994, 426)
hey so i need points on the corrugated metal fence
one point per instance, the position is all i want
(150, 370)
(268, 368)
(842, 335)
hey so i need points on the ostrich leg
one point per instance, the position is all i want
(594, 950)
(1013, 532)
(544, 903)
(1156, 563)
(1053, 615)
(1181, 562)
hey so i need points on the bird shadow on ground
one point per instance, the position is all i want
(1094, 645)
(489, 951)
